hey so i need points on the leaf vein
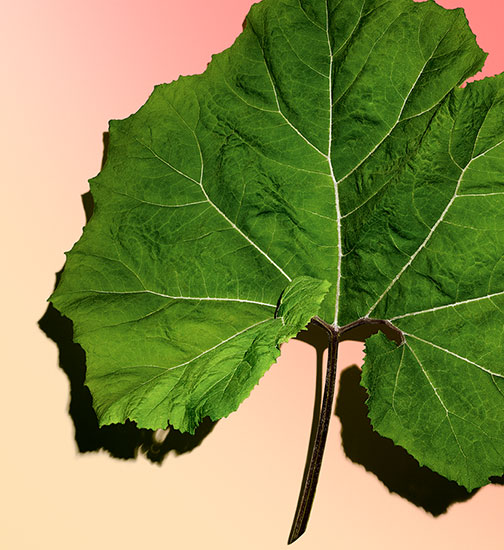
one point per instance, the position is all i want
(491, 373)
(172, 297)
(219, 211)
(454, 304)
(431, 232)
(447, 411)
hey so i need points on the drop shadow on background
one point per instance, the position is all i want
(123, 441)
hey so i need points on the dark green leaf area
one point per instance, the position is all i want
(433, 261)
(445, 409)
(437, 237)
(154, 357)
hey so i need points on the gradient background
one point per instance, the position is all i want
(69, 67)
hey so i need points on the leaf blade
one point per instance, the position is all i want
(329, 143)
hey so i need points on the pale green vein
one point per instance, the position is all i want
(165, 162)
(397, 379)
(368, 199)
(331, 168)
(454, 355)
(433, 229)
(167, 369)
(195, 298)
(219, 211)
(453, 304)
(434, 389)
(151, 203)
(279, 109)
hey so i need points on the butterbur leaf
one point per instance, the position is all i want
(327, 164)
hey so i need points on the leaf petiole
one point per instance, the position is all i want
(315, 461)
(309, 485)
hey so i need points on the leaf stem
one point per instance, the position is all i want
(382, 324)
(314, 460)
(307, 493)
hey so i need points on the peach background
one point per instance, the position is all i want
(68, 68)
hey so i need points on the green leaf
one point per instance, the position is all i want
(331, 158)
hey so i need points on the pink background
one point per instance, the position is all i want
(68, 68)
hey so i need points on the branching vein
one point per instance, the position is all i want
(434, 389)
(453, 304)
(219, 211)
(496, 374)
(195, 298)
(433, 229)
(329, 160)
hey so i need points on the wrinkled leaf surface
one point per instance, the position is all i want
(327, 163)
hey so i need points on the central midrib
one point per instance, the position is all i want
(335, 183)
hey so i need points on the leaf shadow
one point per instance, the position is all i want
(391, 464)
(123, 441)
(120, 440)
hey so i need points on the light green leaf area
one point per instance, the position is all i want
(332, 143)
(153, 357)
